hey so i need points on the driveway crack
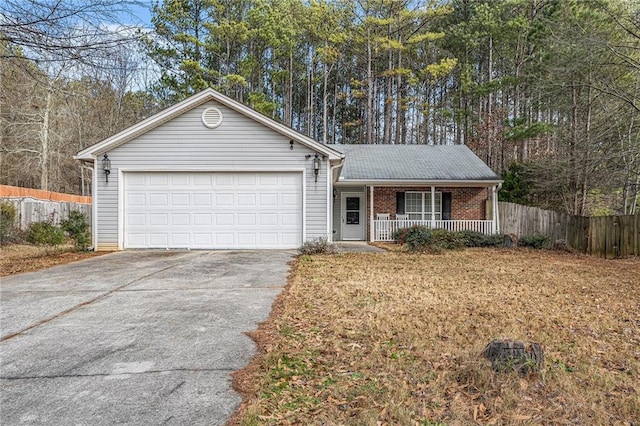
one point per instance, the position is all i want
(85, 303)
(137, 373)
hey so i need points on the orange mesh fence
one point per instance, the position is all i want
(7, 191)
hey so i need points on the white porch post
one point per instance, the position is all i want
(496, 216)
(371, 228)
(433, 207)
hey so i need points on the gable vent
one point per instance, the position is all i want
(212, 117)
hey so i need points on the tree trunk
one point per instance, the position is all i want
(369, 113)
(44, 142)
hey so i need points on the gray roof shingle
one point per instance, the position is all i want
(412, 162)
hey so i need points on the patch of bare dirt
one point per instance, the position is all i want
(19, 258)
(395, 338)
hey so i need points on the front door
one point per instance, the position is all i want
(352, 216)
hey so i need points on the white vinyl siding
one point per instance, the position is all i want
(184, 144)
(418, 205)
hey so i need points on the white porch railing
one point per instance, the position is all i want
(383, 230)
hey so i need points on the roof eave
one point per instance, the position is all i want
(419, 182)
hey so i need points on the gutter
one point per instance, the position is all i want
(413, 182)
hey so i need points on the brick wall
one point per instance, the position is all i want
(466, 203)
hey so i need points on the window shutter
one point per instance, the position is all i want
(446, 206)
(399, 202)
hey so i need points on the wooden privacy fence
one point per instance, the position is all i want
(34, 205)
(605, 236)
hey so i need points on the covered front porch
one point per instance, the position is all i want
(383, 229)
(375, 213)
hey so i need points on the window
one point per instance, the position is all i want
(418, 205)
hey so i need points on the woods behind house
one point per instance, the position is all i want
(545, 92)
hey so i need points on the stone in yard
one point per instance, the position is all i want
(514, 355)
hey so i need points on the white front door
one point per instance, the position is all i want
(352, 216)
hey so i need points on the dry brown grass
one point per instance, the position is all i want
(395, 338)
(18, 258)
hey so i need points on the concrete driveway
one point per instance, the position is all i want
(141, 338)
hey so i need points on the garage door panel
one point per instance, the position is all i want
(246, 219)
(224, 239)
(289, 220)
(203, 240)
(158, 200)
(137, 239)
(268, 219)
(135, 199)
(203, 200)
(213, 210)
(289, 199)
(180, 240)
(180, 219)
(269, 239)
(178, 180)
(158, 179)
(247, 200)
(224, 200)
(158, 219)
(246, 239)
(180, 199)
(246, 179)
(289, 238)
(159, 240)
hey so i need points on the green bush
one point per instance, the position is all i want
(7, 219)
(318, 246)
(77, 228)
(537, 241)
(478, 239)
(448, 240)
(45, 233)
(416, 238)
(421, 238)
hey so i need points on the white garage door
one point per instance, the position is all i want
(212, 210)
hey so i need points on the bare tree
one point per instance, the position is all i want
(63, 30)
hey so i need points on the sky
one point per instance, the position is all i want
(139, 13)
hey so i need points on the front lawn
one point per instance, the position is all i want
(395, 338)
(19, 258)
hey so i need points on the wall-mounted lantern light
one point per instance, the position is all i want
(106, 166)
(291, 145)
(316, 166)
(335, 193)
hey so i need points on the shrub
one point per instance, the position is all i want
(537, 241)
(45, 233)
(78, 229)
(421, 238)
(7, 219)
(448, 240)
(478, 239)
(318, 246)
(417, 238)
